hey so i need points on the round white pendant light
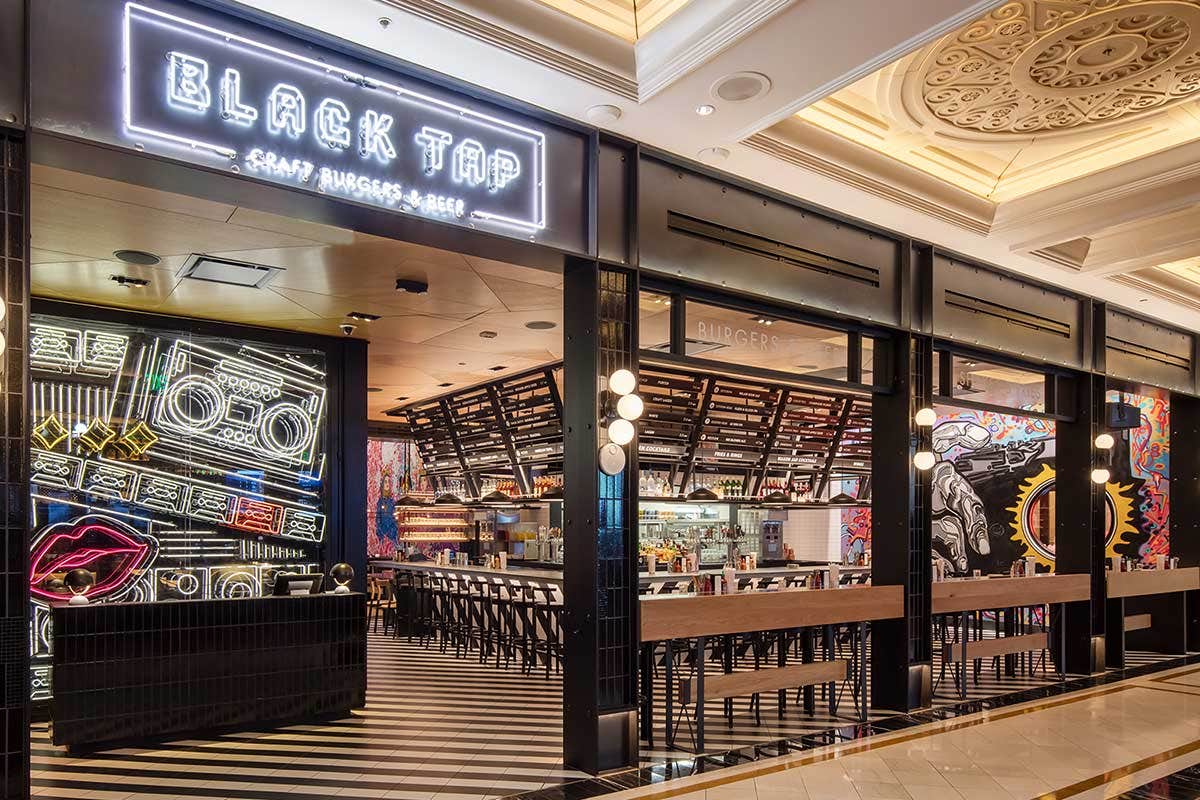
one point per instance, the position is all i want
(926, 417)
(924, 460)
(1105, 441)
(620, 431)
(622, 382)
(630, 407)
(1100, 475)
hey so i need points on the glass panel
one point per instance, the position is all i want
(996, 384)
(746, 339)
(868, 360)
(654, 322)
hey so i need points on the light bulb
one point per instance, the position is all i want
(924, 460)
(630, 406)
(1100, 475)
(620, 431)
(622, 382)
(1105, 441)
(926, 417)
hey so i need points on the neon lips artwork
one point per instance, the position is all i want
(107, 547)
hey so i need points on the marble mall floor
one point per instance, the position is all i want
(1138, 738)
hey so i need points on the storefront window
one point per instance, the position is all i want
(760, 340)
(995, 384)
(654, 322)
(169, 465)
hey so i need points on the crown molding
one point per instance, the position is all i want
(1181, 295)
(693, 36)
(809, 147)
(595, 47)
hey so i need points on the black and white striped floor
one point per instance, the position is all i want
(435, 727)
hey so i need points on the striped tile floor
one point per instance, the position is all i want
(435, 726)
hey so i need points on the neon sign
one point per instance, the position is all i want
(292, 119)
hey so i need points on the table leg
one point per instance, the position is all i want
(668, 720)
(963, 632)
(862, 671)
(810, 697)
(648, 692)
(698, 706)
(781, 661)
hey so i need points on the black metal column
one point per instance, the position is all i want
(901, 543)
(600, 604)
(348, 457)
(1185, 495)
(1079, 525)
(14, 459)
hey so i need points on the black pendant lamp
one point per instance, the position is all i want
(702, 495)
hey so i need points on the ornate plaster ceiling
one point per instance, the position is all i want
(1033, 94)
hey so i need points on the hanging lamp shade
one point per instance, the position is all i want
(702, 495)
(554, 494)
(496, 498)
(447, 499)
(776, 498)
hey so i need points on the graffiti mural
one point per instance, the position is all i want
(169, 465)
(393, 470)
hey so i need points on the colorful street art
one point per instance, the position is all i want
(393, 469)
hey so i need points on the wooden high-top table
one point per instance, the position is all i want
(667, 618)
(970, 595)
(1147, 610)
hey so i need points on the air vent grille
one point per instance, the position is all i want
(772, 249)
(200, 267)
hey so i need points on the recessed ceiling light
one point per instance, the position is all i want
(541, 325)
(125, 280)
(462, 363)
(411, 286)
(384, 22)
(488, 334)
(712, 155)
(374, 389)
(741, 87)
(139, 257)
(704, 109)
(362, 316)
(603, 113)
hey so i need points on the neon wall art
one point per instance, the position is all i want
(173, 466)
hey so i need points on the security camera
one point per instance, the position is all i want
(347, 328)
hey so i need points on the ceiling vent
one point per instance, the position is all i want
(232, 273)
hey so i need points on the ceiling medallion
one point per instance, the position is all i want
(1039, 67)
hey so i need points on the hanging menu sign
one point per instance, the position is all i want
(282, 115)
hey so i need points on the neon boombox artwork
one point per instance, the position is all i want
(172, 467)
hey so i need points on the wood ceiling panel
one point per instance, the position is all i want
(232, 303)
(41, 176)
(513, 272)
(520, 296)
(69, 222)
(90, 281)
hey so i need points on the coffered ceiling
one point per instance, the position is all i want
(469, 327)
(628, 19)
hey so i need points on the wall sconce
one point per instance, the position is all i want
(1105, 441)
(630, 407)
(1100, 475)
(924, 460)
(622, 382)
(620, 429)
(925, 418)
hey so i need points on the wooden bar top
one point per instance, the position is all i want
(679, 617)
(981, 594)
(1152, 581)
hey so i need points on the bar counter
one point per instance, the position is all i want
(1147, 609)
(965, 597)
(782, 620)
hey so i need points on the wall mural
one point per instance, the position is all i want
(393, 470)
(993, 488)
(171, 466)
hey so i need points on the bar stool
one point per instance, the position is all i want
(547, 621)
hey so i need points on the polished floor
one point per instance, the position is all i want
(435, 727)
(1137, 738)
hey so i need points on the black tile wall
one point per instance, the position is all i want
(134, 671)
(14, 486)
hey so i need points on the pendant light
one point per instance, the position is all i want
(447, 499)
(702, 495)
(409, 501)
(776, 498)
(496, 498)
(552, 495)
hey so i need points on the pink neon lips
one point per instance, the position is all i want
(105, 546)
